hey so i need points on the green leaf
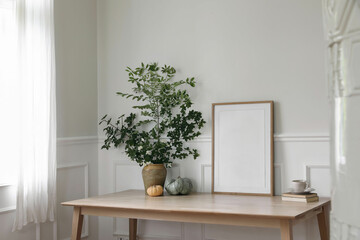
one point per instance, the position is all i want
(166, 110)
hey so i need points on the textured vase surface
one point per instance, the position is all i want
(153, 174)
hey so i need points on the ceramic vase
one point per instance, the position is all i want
(153, 174)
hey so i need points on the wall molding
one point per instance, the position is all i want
(82, 236)
(65, 141)
(122, 236)
(85, 166)
(277, 138)
(115, 165)
(63, 166)
(277, 165)
(202, 229)
(203, 166)
(77, 140)
(308, 167)
(301, 138)
(182, 237)
(6, 185)
(7, 209)
(281, 171)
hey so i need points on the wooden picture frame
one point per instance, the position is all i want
(243, 148)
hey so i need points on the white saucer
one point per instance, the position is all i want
(307, 191)
(301, 193)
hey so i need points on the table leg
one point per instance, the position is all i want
(77, 224)
(286, 230)
(132, 228)
(323, 225)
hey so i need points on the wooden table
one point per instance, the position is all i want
(253, 211)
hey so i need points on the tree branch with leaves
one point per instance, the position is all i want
(167, 119)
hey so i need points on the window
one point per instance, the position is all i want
(9, 92)
(27, 107)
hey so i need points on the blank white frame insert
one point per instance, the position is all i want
(242, 148)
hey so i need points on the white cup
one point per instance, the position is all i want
(299, 186)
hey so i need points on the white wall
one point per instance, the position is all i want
(76, 62)
(76, 65)
(75, 42)
(238, 51)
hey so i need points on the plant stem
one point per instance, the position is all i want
(158, 121)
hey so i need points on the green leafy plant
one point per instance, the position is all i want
(166, 119)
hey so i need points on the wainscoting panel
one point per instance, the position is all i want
(77, 178)
(318, 176)
(7, 198)
(296, 157)
(278, 175)
(72, 183)
(206, 172)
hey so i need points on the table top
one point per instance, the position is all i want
(252, 206)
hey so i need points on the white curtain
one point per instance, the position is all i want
(9, 88)
(36, 195)
(342, 30)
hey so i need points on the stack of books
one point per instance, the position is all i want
(300, 197)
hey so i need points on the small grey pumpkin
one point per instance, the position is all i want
(180, 185)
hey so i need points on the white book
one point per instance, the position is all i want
(305, 200)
